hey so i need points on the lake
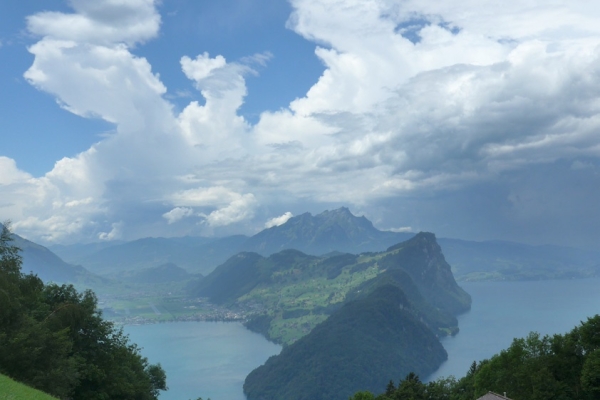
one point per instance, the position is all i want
(212, 359)
(502, 311)
(203, 359)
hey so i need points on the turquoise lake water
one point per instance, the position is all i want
(212, 359)
(203, 359)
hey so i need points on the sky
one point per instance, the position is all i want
(122, 119)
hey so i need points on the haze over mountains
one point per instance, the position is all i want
(337, 230)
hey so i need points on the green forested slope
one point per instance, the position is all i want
(356, 347)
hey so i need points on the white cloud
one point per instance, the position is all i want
(9, 173)
(277, 221)
(202, 67)
(177, 214)
(100, 22)
(231, 207)
(216, 127)
(416, 97)
(241, 208)
(401, 229)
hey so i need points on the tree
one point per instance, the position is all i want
(363, 396)
(54, 338)
(411, 388)
(390, 389)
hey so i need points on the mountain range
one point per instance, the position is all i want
(336, 230)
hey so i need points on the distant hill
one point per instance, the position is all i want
(74, 253)
(49, 267)
(336, 230)
(359, 347)
(164, 273)
(501, 260)
(194, 254)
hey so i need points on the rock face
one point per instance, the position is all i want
(361, 346)
(336, 230)
(421, 257)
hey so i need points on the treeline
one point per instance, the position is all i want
(54, 339)
(558, 367)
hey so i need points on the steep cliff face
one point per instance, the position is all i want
(421, 257)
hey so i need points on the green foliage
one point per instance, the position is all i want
(363, 396)
(54, 339)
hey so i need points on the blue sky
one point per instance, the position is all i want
(235, 29)
(129, 118)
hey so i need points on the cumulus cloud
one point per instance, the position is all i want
(277, 221)
(9, 173)
(239, 209)
(100, 22)
(418, 98)
(177, 214)
(231, 207)
(216, 125)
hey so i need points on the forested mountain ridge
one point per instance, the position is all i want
(355, 348)
(422, 258)
(297, 291)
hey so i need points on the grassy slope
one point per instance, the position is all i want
(11, 390)
(309, 294)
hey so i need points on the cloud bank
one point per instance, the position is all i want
(423, 109)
